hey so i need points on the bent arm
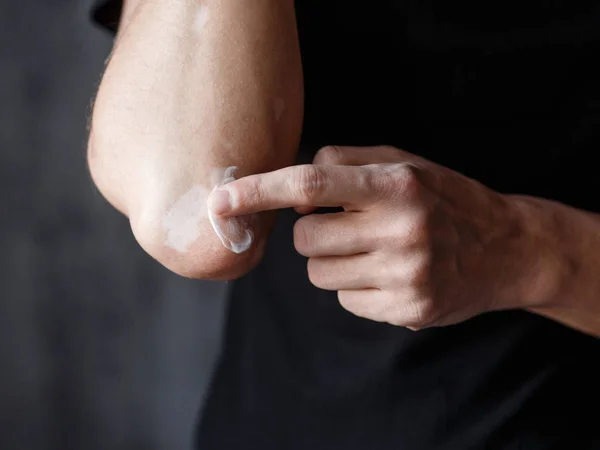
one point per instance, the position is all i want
(192, 88)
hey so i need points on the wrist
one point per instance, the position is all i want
(546, 275)
(566, 247)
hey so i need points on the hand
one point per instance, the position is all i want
(418, 245)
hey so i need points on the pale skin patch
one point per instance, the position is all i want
(182, 220)
(228, 145)
(201, 18)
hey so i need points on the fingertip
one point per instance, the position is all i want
(219, 201)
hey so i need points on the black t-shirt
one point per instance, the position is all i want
(504, 91)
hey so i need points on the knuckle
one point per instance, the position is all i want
(310, 183)
(329, 155)
(406, 178)
(395, 180)
(420, 273)
(415, 229)
(364, 178)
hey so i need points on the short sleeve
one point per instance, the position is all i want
(107, 13)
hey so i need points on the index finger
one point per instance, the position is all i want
(295, 186)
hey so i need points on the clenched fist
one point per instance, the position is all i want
(418, 245)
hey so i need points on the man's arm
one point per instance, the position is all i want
(191, 89)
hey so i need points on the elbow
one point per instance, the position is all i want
(169, 220)
(164, 198)
(191, 248)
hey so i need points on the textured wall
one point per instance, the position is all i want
(100, 348)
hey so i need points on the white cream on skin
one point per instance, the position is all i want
(182, 221)
(233, 231)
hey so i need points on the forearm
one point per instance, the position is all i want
(572, 259)
(192, 88)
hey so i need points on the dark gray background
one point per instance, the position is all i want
(100, 347)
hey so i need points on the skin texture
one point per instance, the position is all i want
(419, 245)
(192, 87)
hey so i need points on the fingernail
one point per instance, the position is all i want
(219, 201)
